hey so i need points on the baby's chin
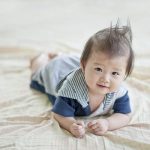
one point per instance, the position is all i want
(113, 90)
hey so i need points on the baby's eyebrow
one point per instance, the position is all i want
(117, 69)
(98, 64)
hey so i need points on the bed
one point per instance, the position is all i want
(26, 122)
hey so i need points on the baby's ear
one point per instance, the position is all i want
(82, 66)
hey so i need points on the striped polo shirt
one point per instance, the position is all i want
(72, 94)
(63, 81)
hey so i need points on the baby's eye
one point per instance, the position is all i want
(98, 69)
(115, 73)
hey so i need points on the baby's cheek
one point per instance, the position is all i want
(114, 86)
(89, 81)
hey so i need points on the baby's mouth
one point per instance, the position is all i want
(102, 86)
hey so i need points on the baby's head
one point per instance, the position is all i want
(114, 42)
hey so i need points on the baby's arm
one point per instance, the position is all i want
(118, 120)
(70, 124)
(115, 121)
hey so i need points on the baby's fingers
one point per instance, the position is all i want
(91, 124)
(99, 132)
(77, 129)
(80, 123)
(76, 126)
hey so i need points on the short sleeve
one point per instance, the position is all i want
(64, 106)
(122, 105)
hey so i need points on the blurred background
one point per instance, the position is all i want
(49, 24)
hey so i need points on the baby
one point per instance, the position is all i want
(90, 85)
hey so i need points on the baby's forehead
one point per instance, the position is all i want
(104, 59)
(106, 54)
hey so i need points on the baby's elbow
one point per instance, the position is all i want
(55, 116)
(129, 115)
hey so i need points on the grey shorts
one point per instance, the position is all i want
(55, 71)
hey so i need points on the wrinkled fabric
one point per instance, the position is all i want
(26, 122)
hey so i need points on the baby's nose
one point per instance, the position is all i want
(105, 78)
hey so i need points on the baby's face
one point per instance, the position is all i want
(104, 74)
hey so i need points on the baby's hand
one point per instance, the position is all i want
(98, 127)
(78, 129)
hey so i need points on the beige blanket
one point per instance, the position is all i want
(26, 122)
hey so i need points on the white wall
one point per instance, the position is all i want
(46, 23)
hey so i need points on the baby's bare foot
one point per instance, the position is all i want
(52, 55)
(41, 60)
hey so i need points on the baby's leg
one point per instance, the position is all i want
(41, 60)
